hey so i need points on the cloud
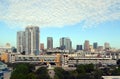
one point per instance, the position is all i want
(58, 13)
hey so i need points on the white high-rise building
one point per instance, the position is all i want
(65, 43)
(20, 41)
(28, 40)
(32, 40)
(106, 45)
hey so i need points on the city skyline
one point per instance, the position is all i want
(99, 22)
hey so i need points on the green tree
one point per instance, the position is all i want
(89, 68)
(80, 68)
(74, 74)
(42, 73)
(20, 72)
(59, 72)
(62, 74)
(56, 77)
(31, 76)
(98, 74)
(116, 71)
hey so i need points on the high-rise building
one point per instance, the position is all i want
(79, 47)
(32, 40)
(106, 45)
(62, 43)
(65, 43)
(42, 46)
(95, 45)
(20, 41)
(86, 45)
(49, 43)
(28, 40)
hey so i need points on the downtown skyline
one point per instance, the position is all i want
(100, 25)
(58, 41)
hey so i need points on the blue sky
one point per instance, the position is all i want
(80, 20)
(105, 32)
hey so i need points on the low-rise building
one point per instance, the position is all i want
(111, 77)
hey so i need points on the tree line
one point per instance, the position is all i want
(87, 71)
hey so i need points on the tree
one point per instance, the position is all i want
(31, 76)
(56, 77)
(106, 71)
(80, 69)
(62, 74)
(20, 71)
(74, 74)
(116, 71)
(98, 74)
(89, 68)
(42, 73)
(59, 72)
(23, 71)
(41, 70)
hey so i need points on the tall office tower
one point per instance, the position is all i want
(65, 43)
(49, 43)
(20, 41)
(86, 45)
(62, 43)
(79, 47)
(32, 40)
(106, 45)
(95, 45)
(42, 46)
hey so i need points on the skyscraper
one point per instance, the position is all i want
(79, 47)
(42, 46)
(32, 40)
(49, 43)
(28, 40)
(106, 45)
(65, 43)
(95, 45)
(20, 41)
(62, 43)
(68, 44)
(86, 45)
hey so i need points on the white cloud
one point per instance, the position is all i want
(58, 13)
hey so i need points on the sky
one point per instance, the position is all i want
(80, 20)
